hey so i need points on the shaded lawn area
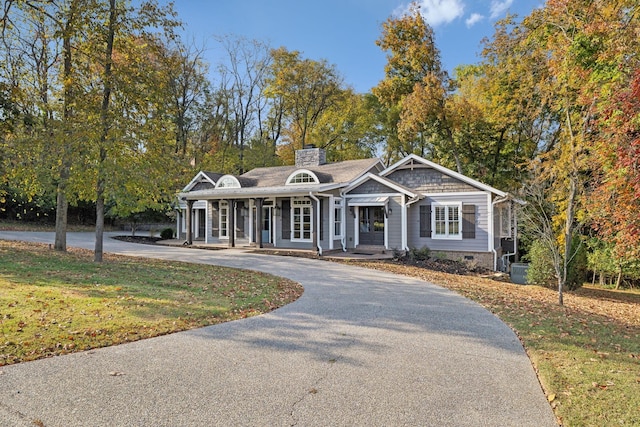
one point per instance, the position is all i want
(587, 352)
(55, 303)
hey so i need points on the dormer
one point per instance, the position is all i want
(228, 181)
(302, 176)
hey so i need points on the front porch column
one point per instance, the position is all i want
(316, 224)
(232, 222)
(405, 228)
(207, 222)
(189, 218)
(259, 202)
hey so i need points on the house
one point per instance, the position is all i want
(352, 205)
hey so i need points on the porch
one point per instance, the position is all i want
(361, 253)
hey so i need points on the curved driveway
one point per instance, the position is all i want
(359, 348)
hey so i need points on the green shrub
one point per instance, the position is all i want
(578, 266)
(421, 254)
(541, 271)
(166, 233)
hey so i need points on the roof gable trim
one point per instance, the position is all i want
(200, 177)
(445, 171)
(382, 180)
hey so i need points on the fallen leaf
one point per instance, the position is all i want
(551, 397)
(116, 373)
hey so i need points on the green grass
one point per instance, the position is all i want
(55, 303)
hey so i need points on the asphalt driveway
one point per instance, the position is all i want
(359, 348)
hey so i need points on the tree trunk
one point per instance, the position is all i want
(98, 251)
(104, 118)
(61, 217)
(62, 204)
(560, 291)
(619, 279)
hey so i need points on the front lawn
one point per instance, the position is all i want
(55, 303)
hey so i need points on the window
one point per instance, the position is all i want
(224, 220)
(301, 220)
(228, 181)
(337, 218)
(303, 177)
(446, 222)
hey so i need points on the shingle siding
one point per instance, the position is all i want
(427, 180)
(370, 187)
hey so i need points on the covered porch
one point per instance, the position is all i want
(296, 222)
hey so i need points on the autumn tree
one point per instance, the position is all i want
(416, 92)
(188, 87)
(348, 129)
(615, 201)
(304, 90)
(45, 34)
(506, 116)
(586, 53)
(99, 95)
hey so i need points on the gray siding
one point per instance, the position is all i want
(394, 224)
(371, 187)
(350, 230)
(427, 180)
(479, 244)
(324, 217)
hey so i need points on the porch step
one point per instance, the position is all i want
(369, 249)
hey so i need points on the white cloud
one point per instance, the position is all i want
(499, 7)
(436, 12)
(473, 19)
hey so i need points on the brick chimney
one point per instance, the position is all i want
(310, 155)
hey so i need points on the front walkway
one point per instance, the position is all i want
(360, 347)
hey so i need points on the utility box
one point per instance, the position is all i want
(519, 273)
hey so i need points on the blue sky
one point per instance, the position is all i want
(344, 31)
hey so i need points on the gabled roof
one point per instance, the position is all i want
(412, 157)
(267, 181)
(339, 172)
(384, 181)
(209, 177)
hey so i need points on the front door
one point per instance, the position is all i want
(371, 225)
(266, 224)
(267, 214)
(202, 218)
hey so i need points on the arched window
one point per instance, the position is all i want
(303, 176)
(228, 181)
